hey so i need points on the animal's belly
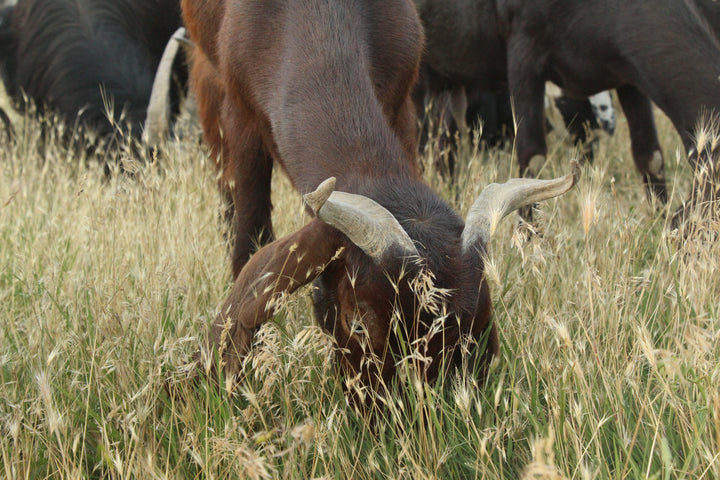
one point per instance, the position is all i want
(582, 83)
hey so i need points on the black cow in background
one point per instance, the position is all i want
(77, 57)
(648, 50)
(5, 42)
(448, 108)
(492, 112)
(711, 11)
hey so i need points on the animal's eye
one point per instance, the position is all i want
(356, 328)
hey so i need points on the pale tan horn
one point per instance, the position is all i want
(366, 223)
(497, 200)
(158, 111)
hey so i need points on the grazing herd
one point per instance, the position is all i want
(329, 91)
(661, 51)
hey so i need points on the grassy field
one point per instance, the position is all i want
(610, 336)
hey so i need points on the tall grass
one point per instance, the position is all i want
(610, 337)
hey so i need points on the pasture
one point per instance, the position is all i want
(609, 327)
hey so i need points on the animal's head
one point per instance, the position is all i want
(396, 272)
(411, 276)
(604, 111)
(403, 276)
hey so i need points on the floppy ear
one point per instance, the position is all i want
(280, 267)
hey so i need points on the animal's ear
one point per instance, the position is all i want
(497, 200)
(277, 269)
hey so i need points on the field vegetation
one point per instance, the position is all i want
(609, 326)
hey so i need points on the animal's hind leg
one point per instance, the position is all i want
(528, 92)
(579, 121)
(245, 178)
(244, 167)
(9, 131)
(437, 122)
(644, 140)
(705, 192)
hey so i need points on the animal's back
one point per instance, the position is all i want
(336, 79)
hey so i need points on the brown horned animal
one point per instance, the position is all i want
(322, 88)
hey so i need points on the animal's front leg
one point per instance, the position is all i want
(244, 167)
(644, 140)
(245, 179)
(527, 88)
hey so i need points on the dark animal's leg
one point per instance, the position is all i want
(705, 190)
(492, 112)
(244, 167)
(482, 114)
(405, 126)
(452, 105)
(528, 92)
(459, 106)
(530, 140)
(457, 124)
(245, 178)
(439, 117)
(439, 122)
(579, 118)
(8, 125)
(643, 137)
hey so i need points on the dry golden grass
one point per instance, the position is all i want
(610, 336)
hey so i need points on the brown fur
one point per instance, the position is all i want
(322, 88)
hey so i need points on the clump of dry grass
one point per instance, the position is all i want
(609, 334)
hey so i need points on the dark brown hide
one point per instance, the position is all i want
(322, 88)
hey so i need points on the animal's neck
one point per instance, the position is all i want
(325, 109)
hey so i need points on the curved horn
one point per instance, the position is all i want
(158, 111)
(366, 223)
(497, 200)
